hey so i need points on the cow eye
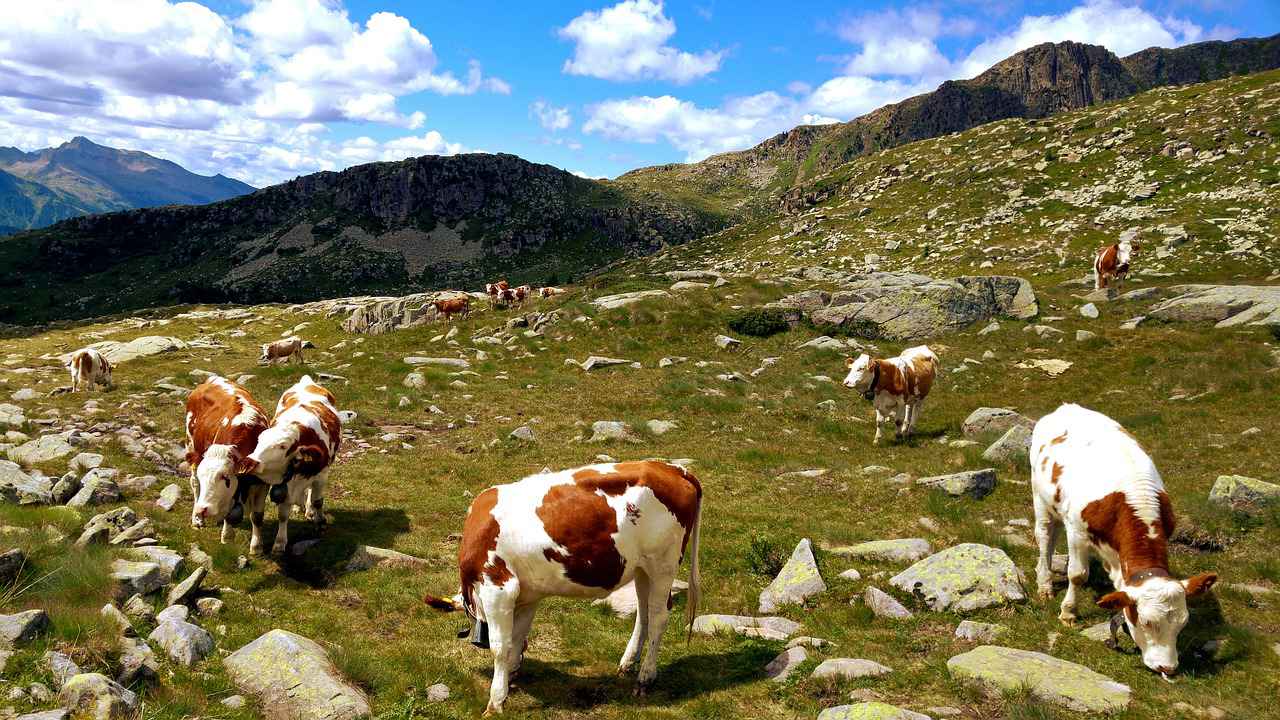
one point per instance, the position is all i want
(227, 480)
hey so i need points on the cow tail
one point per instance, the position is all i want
(695, 574)
(439, 603)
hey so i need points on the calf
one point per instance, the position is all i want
(283, 350)
(548, 292)
(449, 307)
(896, 387)
(1090, 476)
(223, 424)
(293, 456)
(578, 533)
(1112, 264)
(88, 367)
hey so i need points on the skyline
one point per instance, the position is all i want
(268, 90)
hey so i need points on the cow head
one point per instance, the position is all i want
(1155, 611)
(862, 375)
(218, 475)
(271, 459)
(1124, 253)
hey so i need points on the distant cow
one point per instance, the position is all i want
(547, 292)
(293, 456)
(283, 350)
(504, 298)
(896, 387)
(1111, 264)
(88, 367)
(493, 289)
(578, 533)
(1091, 476)
(223, 424)
(522, 293)
(449, 307)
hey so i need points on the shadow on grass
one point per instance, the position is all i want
(685, 678)
(320, 565)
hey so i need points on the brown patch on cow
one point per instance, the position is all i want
(84, 364)
(1060, 439)
(212, 409)
(1111, 520)
(1057, 496)
(1106, 263)
(1167, 521)
(479, 538)
(582, 522)
(676, 488)
(612, 484)
(1056, 474)
(890, 378)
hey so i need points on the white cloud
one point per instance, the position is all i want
(897, 42)
(698, 132)
(550, 117)
(627, 42)
(849, 96)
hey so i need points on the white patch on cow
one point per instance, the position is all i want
(272, 451)
(216, 475)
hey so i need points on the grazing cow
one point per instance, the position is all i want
(1090, 476)
(1112, 264)
(449, 307)
(547, 292)
(223, 424)
(88, 368)
(283, 350)
(293, 456)
(896, 387)
(577, 533)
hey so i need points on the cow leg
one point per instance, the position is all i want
(879, 422)
(256, 501)
(315, 498)
(641, 631)
(520, 632)
(499, 609)
(1046, 538)
(283, 510)
(659, 613)
(1077, 574)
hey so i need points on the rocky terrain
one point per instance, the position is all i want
(80, 177)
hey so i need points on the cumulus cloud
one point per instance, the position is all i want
(628, 42)
(550, 117)
(696, 131)
(246, 94)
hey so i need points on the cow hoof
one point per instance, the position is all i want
(640, 691)
(1046, 592)
(1068, 620)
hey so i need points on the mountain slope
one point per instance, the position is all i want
(1035, 83)
(92, 178)
(397, 226)
(24, 204)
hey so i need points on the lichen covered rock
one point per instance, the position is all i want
(1050, 679)
(962, 578)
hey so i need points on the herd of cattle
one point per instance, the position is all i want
(588, 531)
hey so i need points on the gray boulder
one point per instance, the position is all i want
(1012, 447)
(105, 526)
(459, 363)
(962, 578)
(798, 580)
(97, 487)
(183, 592)
(974, 483)
(43, 449)
(135, 578)
(900, 550)
(138, 665)
(368, 556)
(1244, 494)
(611, 302)
(66, 488)
(993, 420)
(979, 632)
(116, 619)
(169, 497)
(92, 696)
(184, 643)
(171, 562)
(1223, 305)
(623, 600)
(61, 667)
(293, 679)
(869, 711)
(785, 663)
(740, 624)
(11, 563)
(884, 605)
(12, 416)
(118, 352)
(609, 431)
(1075, 687)
(850, 668)
(22, 627)
(19, 488)
(58, 714)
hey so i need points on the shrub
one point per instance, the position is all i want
(764, 557)
(759, 322)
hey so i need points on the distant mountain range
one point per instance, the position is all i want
(80, 177)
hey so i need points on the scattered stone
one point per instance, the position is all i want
(798, 580)
(979, 632)
(58, 714)
(661, 427)
(612, 302)
(851, 575)
(140, 610)
(806, 641)
(1085, 335)
(993, 420)
(185, 590)
(84, 462)
(415, 380)
(850, 669)
(209, 606)
(20, 488)
(623, 600)
(596, 361)
(66, 488)
(901, 550)
(93, 696)
(869, 711)
(293, 679)
(1244, 494)
(711, 624)
(1100, 632)
(459, 363)
(1012, 447)
(609, 431)
(138, 664)
(130, 578)
(1049, 679)
(184, 643)
(1089, 310)
(96, 488)
(117, 619)
(61, 667)
(884, 605)
(234, 702)
(43, 449)
(368, 556)
(173, 612)
(437, 693)
(974, 483)
(724, 342)
(965, 577)
(1223, 305)
(169, 497)
(11, 564)
(21, 628)
(170, 562)
(1051, 366)
(524, 433)
(787, 661)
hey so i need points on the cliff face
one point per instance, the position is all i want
(416, 224)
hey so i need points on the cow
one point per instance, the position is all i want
(522, 293)
(88, 367)
(504, 298)
(1112, 264)
(577, 533)
(293, 456)
(448, 307)
(1090, 476)
(223, 424)
(549, 292)
(493, 289)
(896, 387)
(283, 350)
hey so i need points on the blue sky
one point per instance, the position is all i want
(264, 90)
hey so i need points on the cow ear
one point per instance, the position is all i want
(1116, 600)
(848, 362)
(1199, 584)
(308, 460)
(246, 466)
(191, 458)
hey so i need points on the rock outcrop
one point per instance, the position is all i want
(293, 679)
(1050, 679)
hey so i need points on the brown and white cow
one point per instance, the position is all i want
(293, 456)
(578, 533)
(1111, 264)
(504, 298)
(283, 350)
(522, 293)
(223, 424)
(448, 307)
(1090, 476)
(88, 367)
(896, 387)
(494, 288)
(549, 292)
